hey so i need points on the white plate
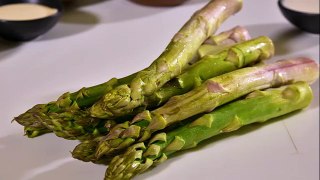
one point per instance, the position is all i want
(114, 38)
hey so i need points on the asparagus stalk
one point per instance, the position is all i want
(180, 51)
(259, 106)
(211, 94)
(228, 60)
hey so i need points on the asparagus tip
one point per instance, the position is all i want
(129, 164)
(29, 118)
(84, 151)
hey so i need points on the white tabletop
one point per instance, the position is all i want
(113, 38)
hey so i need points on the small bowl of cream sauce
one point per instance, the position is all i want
(22, 20)
(304, 14)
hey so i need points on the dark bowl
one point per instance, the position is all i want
(26, 30)
(159, 2)
(305, 21)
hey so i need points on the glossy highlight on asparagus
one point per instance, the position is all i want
(175, 58)
(211, 94)
(258, 106)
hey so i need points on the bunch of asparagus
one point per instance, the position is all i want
(200, 86)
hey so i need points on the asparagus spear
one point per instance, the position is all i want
(85, 97)
(209, 66)
(180, 51)
(259, 106)
(211, 94)
(228, 60)
(77, 124)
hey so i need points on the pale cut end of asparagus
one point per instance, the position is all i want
(238, 33)
(216, 43)
(180, 51)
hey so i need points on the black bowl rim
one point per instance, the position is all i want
(57, 14)
(295, 11)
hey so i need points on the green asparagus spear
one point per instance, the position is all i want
(209, 66)
(226, 61)
(259, 106)
(85, 97)
(77, 124)
(180, 51)
(211, 94)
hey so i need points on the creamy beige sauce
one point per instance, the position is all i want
(25, 11)
(308, 6)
